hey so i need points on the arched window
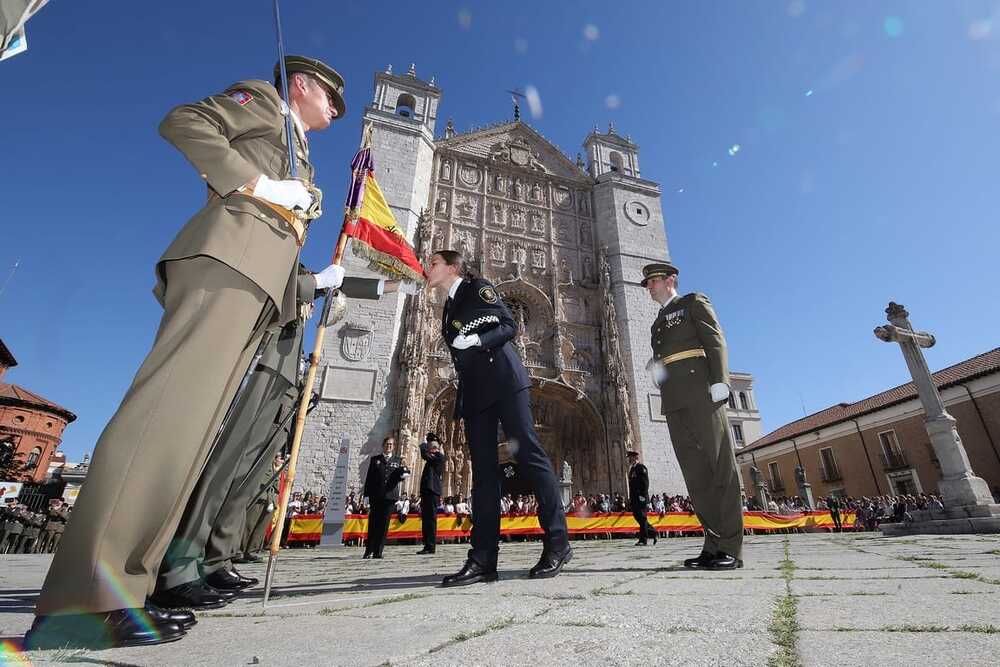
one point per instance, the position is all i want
(33, 457)
(744, 403)
(405, 105)
(616, 161)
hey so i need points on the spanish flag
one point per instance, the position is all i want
(371, 225)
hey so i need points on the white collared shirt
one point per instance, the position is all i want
(454, 287)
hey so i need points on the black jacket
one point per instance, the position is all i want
(493, 370)
(430, 479)
(382, 479)
(638, 482)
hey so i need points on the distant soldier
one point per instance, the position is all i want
(691, 367)
(430, 490)
(638, 497)
(382, 489)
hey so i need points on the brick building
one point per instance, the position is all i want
(878, 445)
(29, 424)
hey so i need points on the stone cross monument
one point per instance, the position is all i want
(969, 506)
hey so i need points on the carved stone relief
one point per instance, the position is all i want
(517, 219)
(466, 205)
(498, 252)
(563, 197)
(537, 258)
(441, 206)
(465, 242)
(496, 214)
(445, 170)
(537, 223)
(586, 234)
(470, 175)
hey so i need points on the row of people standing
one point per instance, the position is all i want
(25, 532)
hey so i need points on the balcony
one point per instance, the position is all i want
(830, 473)
(894, 460)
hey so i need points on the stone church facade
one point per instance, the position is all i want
(562, 240)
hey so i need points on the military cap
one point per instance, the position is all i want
(631, 452)
(658, 270)
(323, 73)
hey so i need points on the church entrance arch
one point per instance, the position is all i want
(570, 428)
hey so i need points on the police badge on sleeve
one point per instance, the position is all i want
(488, 294)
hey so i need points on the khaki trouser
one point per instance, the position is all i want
(700, 434)
(151, 453)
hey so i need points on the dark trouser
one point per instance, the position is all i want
(378, 525)
(639, 513)
(837, 527)
(255, 531)
(700, 434)
(428, 519)
(514, 413)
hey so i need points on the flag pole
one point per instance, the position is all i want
(303, 409)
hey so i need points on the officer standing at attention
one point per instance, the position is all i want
(228, 275)
(690, 364)
(381, 482)
(494, 388)
(430, 491)
(638, 497)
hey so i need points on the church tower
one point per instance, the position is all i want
(359, 381)
(630, 227)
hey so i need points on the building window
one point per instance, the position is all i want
(776, 483)
(616, 161)
(738, 434)
(19, 419)
(829, 471)
(732, 401)
(405, 105)
(33, 457)
(892, 455)
(744, 403)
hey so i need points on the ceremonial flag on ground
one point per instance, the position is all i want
(371, 225)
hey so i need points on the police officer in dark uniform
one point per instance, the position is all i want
(493, 388)
(690, 365)
(430, 490)
(381, 482)
(638, 497)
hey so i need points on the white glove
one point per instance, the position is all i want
(330, 277)
(658, 373)
(719, 392)
(465, 342)
(408, 288)
(290, 194)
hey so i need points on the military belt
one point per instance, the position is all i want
(686, 354)
(289, 216)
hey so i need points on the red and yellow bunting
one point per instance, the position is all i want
(309, 527)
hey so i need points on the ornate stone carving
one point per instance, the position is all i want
(516, 152)
(465, 243)
(518, 254)
(563, 198)
(537, 258)
(356, 341)
(583, 202)
(536, 192)
(496, 214)
(517, 218)
(498, 253)
(466, 205)
(564, 231)
(442, 204)
(588, 270)
(537, 223)
(445, 170)
(518, 190)
(586, 235)
(470, 175)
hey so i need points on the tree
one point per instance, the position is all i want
(12, 464)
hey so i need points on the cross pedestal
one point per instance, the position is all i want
(969, 506)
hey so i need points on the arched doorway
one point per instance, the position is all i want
(570, 428)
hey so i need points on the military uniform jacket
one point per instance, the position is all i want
(493, 370)
(638, 482)
(231, 139)
(430, 478)
(382, 479)
(689, 323)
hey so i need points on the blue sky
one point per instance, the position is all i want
(866, 169)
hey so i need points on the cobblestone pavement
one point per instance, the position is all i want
(803, 599)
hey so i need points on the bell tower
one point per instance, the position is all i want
(630, 227)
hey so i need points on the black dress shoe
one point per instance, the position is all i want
(367, 555)
(703, 559)
(229, 580)
(724, 562)
(379, 556)
(641, 543)
(424, 551)
(252, 558)
(181, 617)
(192, 595)
(471, 573)
(110, 629)
(550, 564)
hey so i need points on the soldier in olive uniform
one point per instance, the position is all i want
(690, 364)
(228, 275)
(258, 515)
(197, 568)
(638, 497)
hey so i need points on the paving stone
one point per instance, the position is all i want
(864, 612)
(888, 649)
